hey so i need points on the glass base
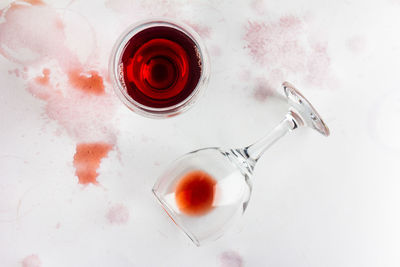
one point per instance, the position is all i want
(303, 108)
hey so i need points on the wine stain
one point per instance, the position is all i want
(287, 46)
(38, 37)
(87, 160)
(90, 82)
(230, 259)
(118, 214)
(31, 261)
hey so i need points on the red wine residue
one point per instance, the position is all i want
(31, 261)
(38, 37)
(154, 8)
(118, 214)
(194, 193)
(230, 259)
(161, 66)
(286, 45)
(356, 43)
(34, 2)
(45, 78)
(263, 90)
(90, 82)
(203, 30)
(87, 160)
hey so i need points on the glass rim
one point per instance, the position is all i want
(120, 88)
(174, 218)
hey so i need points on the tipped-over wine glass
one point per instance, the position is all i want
(205, 190)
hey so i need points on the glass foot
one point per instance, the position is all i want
(303, 108)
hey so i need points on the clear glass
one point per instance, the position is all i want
(232, 169)
(116, 69)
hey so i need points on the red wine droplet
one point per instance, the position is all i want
(195, 192)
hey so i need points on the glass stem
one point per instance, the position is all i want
(256, 150)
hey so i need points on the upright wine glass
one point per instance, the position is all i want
(159, 68)
(204, 191)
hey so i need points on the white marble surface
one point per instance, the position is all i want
(316, 201)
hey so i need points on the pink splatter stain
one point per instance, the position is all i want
(318, 64)
(263, 90)
(203, 30)
(31, 261)
(45, 78)
(258, 6)
(76, 108)
(35, 42)
(87, 160)
(356, 43)
(16, 72)
(230, 259)
(215, 51)
(157, 163)
(264, 87)
(75, 95)
(244, 75)
(284, 45)
(118, 214)
(160, 8)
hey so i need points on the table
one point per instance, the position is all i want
(77, 166)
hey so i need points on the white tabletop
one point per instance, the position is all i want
(316, 201)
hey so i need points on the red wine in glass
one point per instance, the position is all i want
(159, 67)
(194, 193)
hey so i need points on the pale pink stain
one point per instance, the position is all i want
(215, 51)
(230, 259)
(58, 225)
(284, 45)
(31, 261)
(84, 112)
(263, 90)
(266, 86)
(15, 72)
(118, 214)
(258, 6)
(27, 43)
(356, 43)
(203, 30)
(318, 64)
(154, 8)
(245, 75)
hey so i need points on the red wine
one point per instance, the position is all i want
(161, 66)
(195, 192)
